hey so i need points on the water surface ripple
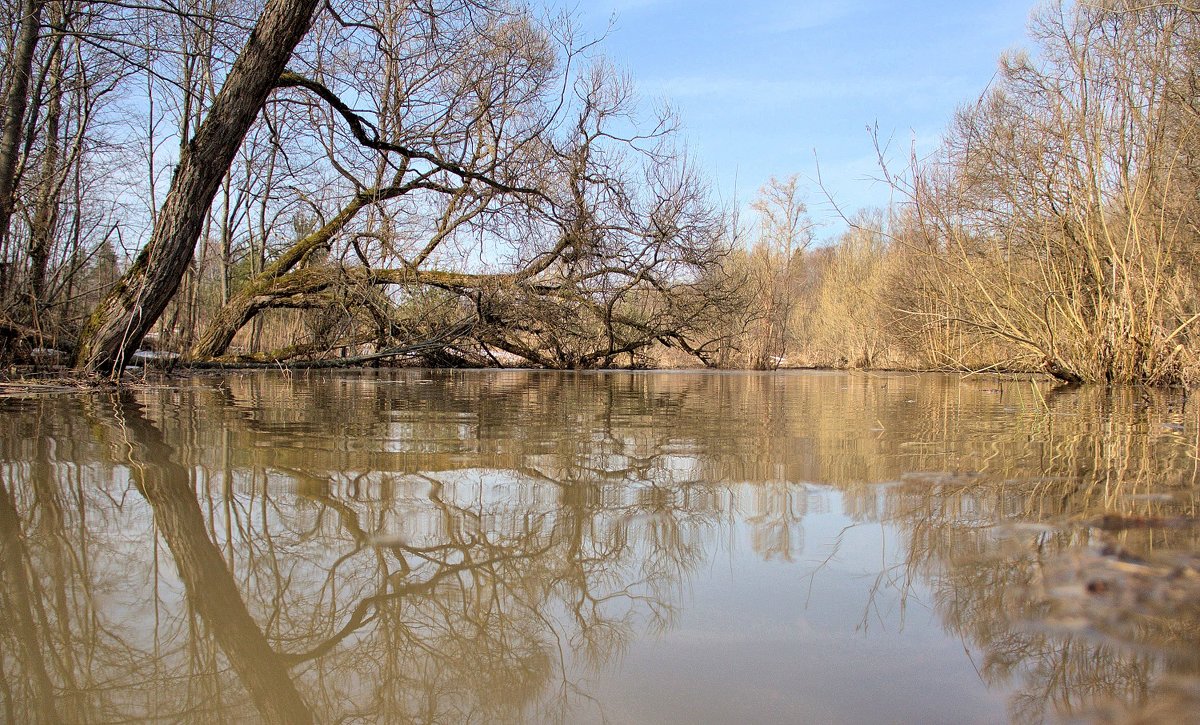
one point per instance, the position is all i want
(517, 546)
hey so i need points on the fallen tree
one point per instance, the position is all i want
(617, 245)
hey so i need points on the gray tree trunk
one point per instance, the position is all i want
(45, 216)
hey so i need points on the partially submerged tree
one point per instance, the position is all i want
(589, 237)
(620, 263)
(449, 101)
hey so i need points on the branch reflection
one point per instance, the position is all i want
(448, 547)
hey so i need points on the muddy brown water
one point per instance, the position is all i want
(665, 547)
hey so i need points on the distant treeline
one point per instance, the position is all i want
(464, 183)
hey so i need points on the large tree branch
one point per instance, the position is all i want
(366, 134)
(242, 306)
(435, 340)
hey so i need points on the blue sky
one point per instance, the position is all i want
(762, 85)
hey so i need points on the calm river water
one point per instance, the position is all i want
(513, 546)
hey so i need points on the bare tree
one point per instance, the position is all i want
(123, 318)
(580, 238)
(784, 232)
(19, 70)
(1052, 231)
(442, 137)
(621, 265)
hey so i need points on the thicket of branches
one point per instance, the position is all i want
(462, 178)
(469, 183)
(1055, 230)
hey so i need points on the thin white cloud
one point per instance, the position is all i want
(790, 17)
(620, 5)
(621, 8)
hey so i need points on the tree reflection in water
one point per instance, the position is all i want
(448, 547)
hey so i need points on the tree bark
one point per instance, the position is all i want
(120, 321)
(264, 286)
(242, 307)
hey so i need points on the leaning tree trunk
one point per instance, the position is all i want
(243, 306)
(120, 321)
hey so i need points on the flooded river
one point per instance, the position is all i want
(507, 546)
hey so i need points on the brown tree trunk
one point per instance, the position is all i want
(120, 321)
(243, 306)
(246, 303)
